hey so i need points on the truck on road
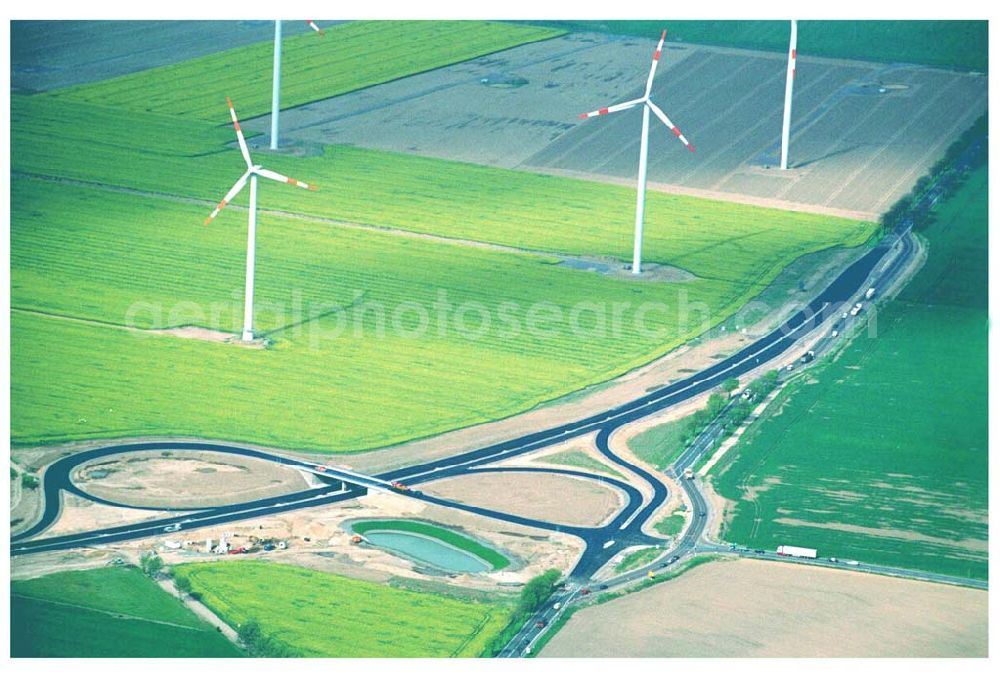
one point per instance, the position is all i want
(793, 551)
(689, 473)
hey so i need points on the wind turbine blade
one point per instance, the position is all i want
(663, 118)
(611, 109)
(312, 25)
(275, 176)
(656, 60)
(239, 133)
(237, 187)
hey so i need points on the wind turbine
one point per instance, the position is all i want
(789, 80)
(251, 174)
(647, 106)
(276, 78)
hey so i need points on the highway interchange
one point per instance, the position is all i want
(878, 267)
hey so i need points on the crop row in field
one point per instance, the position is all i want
(351, 56)
(496, 560)
(960, 44)
(320, 614)
(106, 613)
(715, 240)
(67, 245)
(882, 455)
(327, 380)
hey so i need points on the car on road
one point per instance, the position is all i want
(584, 591)
(171, 528)
(540, 624)
(602, 586)
(557, 606)
(759, 552)
(674, 559)
(835, 334)
(701, 513)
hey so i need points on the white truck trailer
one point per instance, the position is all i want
(792, 551)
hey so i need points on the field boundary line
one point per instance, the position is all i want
(370, 227)
(113, 614)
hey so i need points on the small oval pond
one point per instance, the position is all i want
(431, 544)
(428, 551)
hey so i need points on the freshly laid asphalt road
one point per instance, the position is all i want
(602, 543)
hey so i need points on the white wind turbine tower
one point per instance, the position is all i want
(276, 78)
(251, 174)
(647, 106)
(786, 123)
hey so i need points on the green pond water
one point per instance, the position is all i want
(427, 550)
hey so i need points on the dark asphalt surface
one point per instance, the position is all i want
(602, 543)
(624, 530)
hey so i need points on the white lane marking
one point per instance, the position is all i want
(138, 528)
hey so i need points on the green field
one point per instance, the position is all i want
(351, 56)
(319, 614)
(636, 559)
(958, 44)
(327, 381)
(578, 459)
(671, 525)
(110, 612)
(662, 444)
(495, 559)
(881, 456)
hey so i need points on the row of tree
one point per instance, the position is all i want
(533, 596)
(945, 177)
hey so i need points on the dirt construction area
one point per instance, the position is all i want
(182, 479)
(544, 496)
(768, 609)
(862, 133)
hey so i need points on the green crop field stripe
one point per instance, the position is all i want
(108, 612)
(496, 560)
(320, 614)
(881, 456)
(352, 56)
(961, 44)
(328, 381)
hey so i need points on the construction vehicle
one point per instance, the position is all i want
(650, 574)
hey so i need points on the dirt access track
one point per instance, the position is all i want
(862, 133)
(545, 496)
(771, 609)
